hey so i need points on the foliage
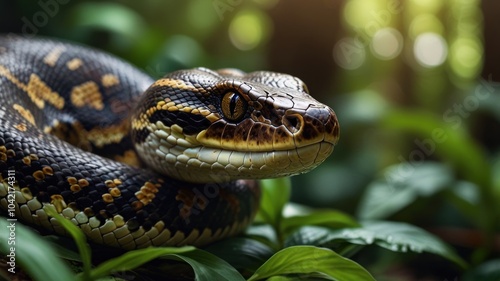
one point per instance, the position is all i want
(419, 151)
(301, 253)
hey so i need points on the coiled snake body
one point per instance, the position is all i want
(76, 132)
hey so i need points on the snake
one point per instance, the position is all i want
(135, 161)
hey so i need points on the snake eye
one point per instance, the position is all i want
(233, 106)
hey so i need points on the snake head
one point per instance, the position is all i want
(228, 125)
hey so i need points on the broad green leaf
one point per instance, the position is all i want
(311, 260)
(134, 259)
(397, 237)
(329, 218)
(402, 185)
(444, 139)
(78, 236)
(301, 277)
(263, 233)
(242, 253)
(447, 138)
(275, 194)
(109, 16)
(206, 266)
(322, 237)
(32, 253)
(280, 278)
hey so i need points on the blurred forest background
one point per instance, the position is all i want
(412, 82)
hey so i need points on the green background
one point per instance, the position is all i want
(411, 83)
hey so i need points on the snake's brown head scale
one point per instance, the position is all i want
(229, 124)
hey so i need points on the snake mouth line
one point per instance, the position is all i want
(264, 138)
(219, 165)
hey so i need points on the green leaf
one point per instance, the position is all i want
(322, 237)
(109, 16)
(444, 139)
(206, 266)
(242, 253)
(134, 259)
(301, 277)
(263, 233)
(329, 218)
(280, 278)
(33, 254)
(78, 236)
(402, 185)
(447, 138)
(397, 237)
(309, 260)
(275, 194)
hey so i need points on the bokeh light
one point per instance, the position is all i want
(365, 16)
(248, 29)
(466, 57)
(387, 43)
(430, 49)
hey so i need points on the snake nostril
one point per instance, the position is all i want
(292, 123)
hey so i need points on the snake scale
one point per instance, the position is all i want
(136, 162)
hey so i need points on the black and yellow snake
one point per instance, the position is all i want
(78, 127)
